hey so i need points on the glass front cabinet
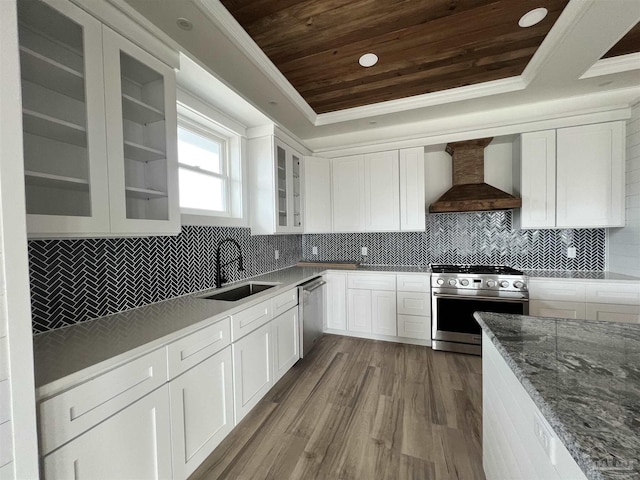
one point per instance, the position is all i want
(99, 126)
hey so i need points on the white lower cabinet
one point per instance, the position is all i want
(371, 304)
(383, 313)
(133, 443)
(252, 369)
(286, 342)
(359, 310)
(201, 411)
(613, 313)
(558, 309)
(336, 300)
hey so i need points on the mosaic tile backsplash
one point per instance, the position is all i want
(77, 280)
(471, 238)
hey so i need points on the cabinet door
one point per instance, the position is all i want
(286, 342)
(140, 95)
(382, 192)
(412, 200)
(554, 309)
(252, 370)
(348, 194)
(413, 326)
(613, 313)
(383, 312)
(201, 411)
(590, 176)
(283, 186)
(359, 310)
(134, 443)
(317, 195)
(538, 182)
(336, 300)
(65, 153)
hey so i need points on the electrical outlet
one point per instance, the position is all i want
(277, 254)
(314, 250)
(545, 436)
(571, 252)
(365, 251)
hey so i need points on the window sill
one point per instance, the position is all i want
(211, 221)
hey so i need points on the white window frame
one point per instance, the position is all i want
(194, 111)
(208, 133)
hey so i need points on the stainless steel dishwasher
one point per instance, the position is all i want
(312, 310)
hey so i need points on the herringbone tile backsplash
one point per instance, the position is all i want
(77, 280)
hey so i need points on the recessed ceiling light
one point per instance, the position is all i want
(272, 102)
(368, 60)
(372, 122)
(184, 24)
(604, 84)
(533, 17)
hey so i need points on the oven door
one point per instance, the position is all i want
(453, 315)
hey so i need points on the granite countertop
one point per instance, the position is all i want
(584, 376)
(67, 356)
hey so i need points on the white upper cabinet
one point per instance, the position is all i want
(99, 121)
(275, 187)
(590, 176)
(412, 205)
(140, 96)
(349, 197)
(65, 154)
(317, 195)
(573, 177)
(382, 191)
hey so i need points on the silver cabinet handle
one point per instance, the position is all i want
(316, 286)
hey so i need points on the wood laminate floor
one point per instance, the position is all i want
(362, 409)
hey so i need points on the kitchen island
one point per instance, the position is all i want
(561, 398)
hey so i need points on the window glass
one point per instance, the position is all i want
(200, 191)
(198, 151)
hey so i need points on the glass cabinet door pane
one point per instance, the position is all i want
(297, 197)
(281, 182)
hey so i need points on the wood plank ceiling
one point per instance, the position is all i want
(423, 45)
(630, 43)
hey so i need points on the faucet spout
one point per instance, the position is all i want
(220, 279)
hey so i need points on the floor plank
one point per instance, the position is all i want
(362, 409)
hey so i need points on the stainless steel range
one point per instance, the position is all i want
(457, 291)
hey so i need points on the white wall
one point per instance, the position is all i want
(497, 168)
(18, 434)
(624, 243)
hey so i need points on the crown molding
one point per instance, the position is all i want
(452, 95)
(221, 18)
(608, 66)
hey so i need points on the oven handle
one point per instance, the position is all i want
(495, 299)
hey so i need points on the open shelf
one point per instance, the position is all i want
(53, 128)
(139, 112)
(144, 193)
(37, 68)
(142, 153)
(55, 181)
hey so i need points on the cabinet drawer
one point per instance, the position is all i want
(371, 282)
(248, 320)
(284, 301)
(613, 313)
(412, 326)
(414, 303)
(67, 415)
(562, 291)
(198, 346)
(621, 294)
(551, 309)
(414, 283)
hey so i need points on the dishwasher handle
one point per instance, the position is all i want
(314, 286)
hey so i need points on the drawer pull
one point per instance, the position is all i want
(75, 413)
(186, 353)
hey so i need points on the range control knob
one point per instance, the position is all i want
(452, 281)
(491, 283)
(440, 281)
(518, 284)
(464, 282)
(504, 284)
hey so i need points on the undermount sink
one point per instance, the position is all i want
(239, 292)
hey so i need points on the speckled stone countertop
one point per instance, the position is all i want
(584, 376)
(70, 355)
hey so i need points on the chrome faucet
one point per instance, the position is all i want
(220, 279)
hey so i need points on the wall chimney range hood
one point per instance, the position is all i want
(469, 193)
